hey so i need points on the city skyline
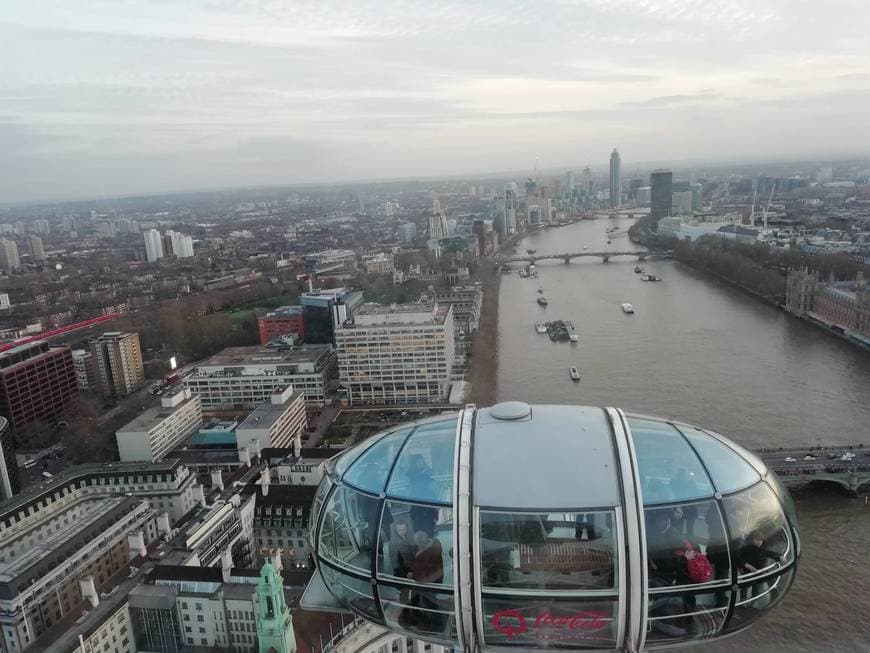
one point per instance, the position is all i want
(159, 98)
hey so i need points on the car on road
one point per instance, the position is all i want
(789, 459)
(832, 456)
(809, 456)
(847, 457)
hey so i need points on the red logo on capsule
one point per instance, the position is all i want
(509, 622)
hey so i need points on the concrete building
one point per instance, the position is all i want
(643, 195)
(244, 377)
(284, 320)
(407, 232)
(278, 422)
(298, 466)
(83, 364)
(182, 245)
(157, 431)
(37, 384)
(35, 248)
(118, 363)
(398, 354)
(5, 303)
(221, 532)
(466, 302)
(9, 259)
(56, 537)
(378, 263)
(8, 464)
(41, 226)
(330, 261)
(661, 200)
(153, 245)
(615, 179)
(324, 310)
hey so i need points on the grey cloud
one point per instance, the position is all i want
(674, 100)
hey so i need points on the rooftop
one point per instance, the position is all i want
(255, 354)
(267, 413)
(285, 311)
(398, 315)
(82, 471)
(152, 417)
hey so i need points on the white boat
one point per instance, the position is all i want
(573, 337)
(574, 372)
(627, 308)
(540, 327)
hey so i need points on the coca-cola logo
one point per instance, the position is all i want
(510, 623)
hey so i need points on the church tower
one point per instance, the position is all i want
(274, 621)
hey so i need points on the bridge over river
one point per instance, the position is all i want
(828, 466)
(605, 256)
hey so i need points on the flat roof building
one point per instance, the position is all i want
(244, 377)
(157, 431)
(117, 360)
(282, 321)
(278, 422)
(37, 384)
(397, 354)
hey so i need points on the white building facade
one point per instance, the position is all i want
(399, 354)
(157, 431)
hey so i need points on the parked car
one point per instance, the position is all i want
(789, 459)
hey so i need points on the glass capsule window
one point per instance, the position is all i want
(548, 552)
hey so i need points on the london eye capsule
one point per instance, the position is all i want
(552, 527)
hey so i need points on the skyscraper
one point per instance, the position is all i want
(9, 259)
(615, 181)
(118, 362)
(661, 192)
(153, 245)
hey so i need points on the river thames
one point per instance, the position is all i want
(701, 351)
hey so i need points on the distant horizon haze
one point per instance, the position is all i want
(101, 99)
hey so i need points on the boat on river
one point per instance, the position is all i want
(638, 269)
(650, 277)
(573, 337)
(542, 300)
(540, 327)
(574, 372)
(627, 308)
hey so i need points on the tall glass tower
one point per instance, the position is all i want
(615, 181)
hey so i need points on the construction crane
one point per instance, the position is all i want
(767, 206)
(754, 197)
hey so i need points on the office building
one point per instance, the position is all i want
(41, 226)
(281, 523)
(466, 302)
(615, 179)
(244, 377)
(398, 354)
(278, 422)
(407, 232)
(117, 360)
(661, 191)
(8, 465)
(9, 259)
(380, 263)
(83, 364)
(56, 537)
(5, 303)
(324, 310)
(37, 384)
(153, 245)
(283, 321)
(35, 248)
(157, 431)
(642, 196)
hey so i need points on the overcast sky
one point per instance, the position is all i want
(109, 97)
